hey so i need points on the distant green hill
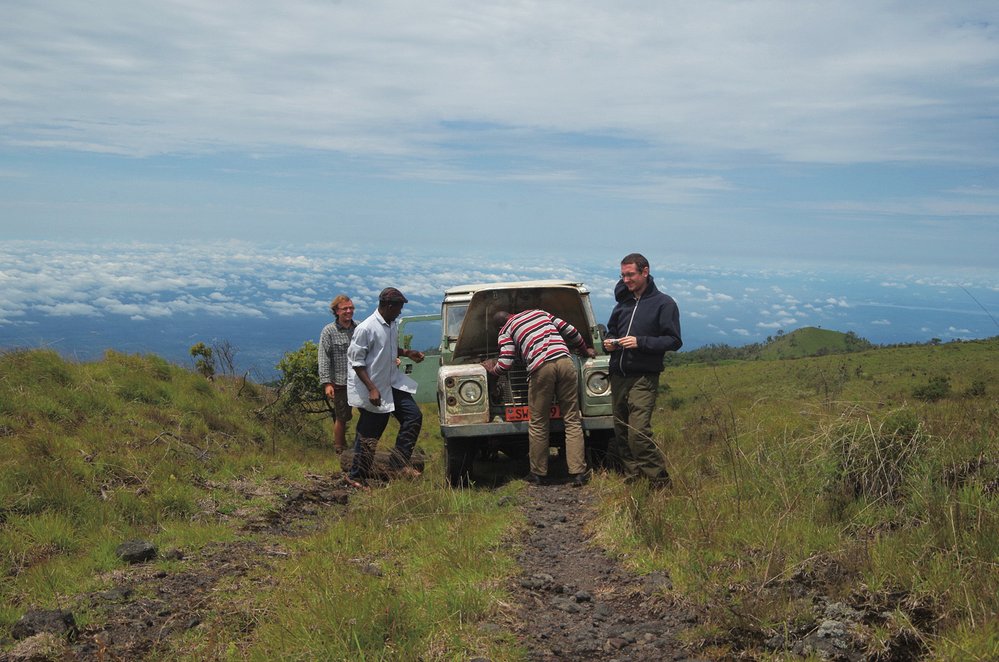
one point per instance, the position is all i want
(811, 341)
(800, 343)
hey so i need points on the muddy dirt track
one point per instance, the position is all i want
(576, 603)
(571, 601)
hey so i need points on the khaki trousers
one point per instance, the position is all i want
(553, 378)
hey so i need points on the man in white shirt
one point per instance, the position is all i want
(378, 389)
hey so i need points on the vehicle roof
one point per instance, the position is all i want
(507, 285)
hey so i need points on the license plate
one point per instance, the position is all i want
(522, 413)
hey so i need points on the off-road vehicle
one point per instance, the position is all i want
(480, 413)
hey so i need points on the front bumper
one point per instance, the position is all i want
(503, 428)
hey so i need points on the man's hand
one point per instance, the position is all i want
(628, 342)
(489, 365)
(329, 390)
(375, 396)
(590, 352)
(411, 354)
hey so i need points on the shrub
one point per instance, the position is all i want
(977, 389)
(937, 389)
(299, 384)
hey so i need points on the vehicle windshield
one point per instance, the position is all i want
(453, 319)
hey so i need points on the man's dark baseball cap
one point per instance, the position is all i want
(392, 295)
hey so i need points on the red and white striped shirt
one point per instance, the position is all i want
(537, 336)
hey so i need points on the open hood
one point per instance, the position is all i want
(477, 338)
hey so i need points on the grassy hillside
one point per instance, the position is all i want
(868, 480)
(131, 447)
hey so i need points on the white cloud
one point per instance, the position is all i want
(69, 310)
(666, 72)
(881, 322)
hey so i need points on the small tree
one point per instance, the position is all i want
(299, 383)
(297, 392)
(204, 361)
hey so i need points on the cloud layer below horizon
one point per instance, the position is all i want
(47, 287)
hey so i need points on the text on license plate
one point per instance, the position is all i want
(522, 413)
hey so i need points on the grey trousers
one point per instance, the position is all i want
(634, 401)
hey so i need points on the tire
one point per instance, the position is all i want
(596, 448)
(515, 451)
(458, 454)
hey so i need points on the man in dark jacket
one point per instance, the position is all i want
(644, 325)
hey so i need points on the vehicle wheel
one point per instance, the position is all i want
(515, 451)
(596, 448)
(459, 454)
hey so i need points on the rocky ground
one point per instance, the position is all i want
(577, 603)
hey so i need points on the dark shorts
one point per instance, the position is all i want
(341, 410)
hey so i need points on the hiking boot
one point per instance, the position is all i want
(534, 479)
(578, 480)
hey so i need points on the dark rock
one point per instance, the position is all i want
(566, 605)
(117, 593)
(135, 551)
(656, 582)
(35, 621)
(372, 569)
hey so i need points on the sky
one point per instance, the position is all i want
(769, 132)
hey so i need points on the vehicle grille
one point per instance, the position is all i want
(513, 387)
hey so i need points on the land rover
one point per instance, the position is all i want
(480, 413)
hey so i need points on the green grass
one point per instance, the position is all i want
(835, 471)
(408, 574)
(132, 447)
(829, 468)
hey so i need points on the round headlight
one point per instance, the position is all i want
(597, 383)
(470, 391)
